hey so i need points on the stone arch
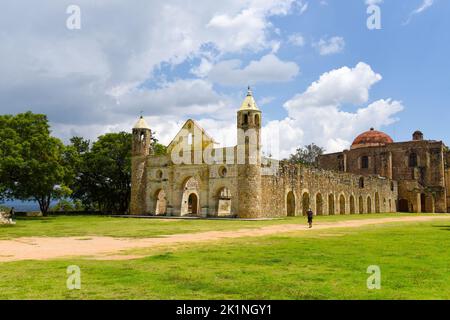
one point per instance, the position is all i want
(361, 205)
(290, 204)
(377, 202)
(342, 207)
(361, 182)
(190, 202)
(331, 210)
(160, 202)
(224, 202)
(369, 204)
(305, 202)
(423, 202)
(257, 119)
(352, 205)
(403, 205)
(319, 204)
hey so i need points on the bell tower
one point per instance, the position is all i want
(249, 158)
(141, 149)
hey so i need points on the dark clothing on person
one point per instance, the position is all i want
(12, 214)
(310, 215)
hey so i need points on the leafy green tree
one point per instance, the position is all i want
(32, 162)
(158, 148)
(306, 155)
(103, 172)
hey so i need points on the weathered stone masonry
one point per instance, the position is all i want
(253, 188)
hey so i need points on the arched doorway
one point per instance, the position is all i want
(224, 202)
(423, 203)
(403, 205)
(305, 203)
(342, 204)
(369, 204)
(290, 204)
(361, 205)
(190, 202)
(331, 210)
(193, 204)
(377, 203)
(161, 203)
(352, 205)
(319, 204)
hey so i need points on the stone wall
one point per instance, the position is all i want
(418, 166)
(326, 192)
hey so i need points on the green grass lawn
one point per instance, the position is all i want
(80, 226)
(322, 264)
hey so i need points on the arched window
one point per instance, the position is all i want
(245, 120)
(361, 183)
(413, 160)
(365, 162)
(256, 119)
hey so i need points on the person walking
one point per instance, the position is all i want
(12, 214)
(310, 216)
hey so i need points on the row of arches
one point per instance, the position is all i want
(327, 205)
(190, 200)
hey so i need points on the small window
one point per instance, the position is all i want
(223, 172)
(413, 160)
(361, 183)
(159, 174)
(365, 162)
(245, 122)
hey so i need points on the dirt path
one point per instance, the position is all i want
(108, 248)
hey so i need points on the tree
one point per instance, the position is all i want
(158, 148)
(103, 172)
(32, 163)
(306, 155)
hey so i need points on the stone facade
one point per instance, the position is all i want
(195, 178)
(419, 166)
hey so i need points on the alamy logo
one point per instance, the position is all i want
(374, 280)
(73, 22)
(74, 280)
(374, 19)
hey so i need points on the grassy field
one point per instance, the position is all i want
(322, 264)
(80, 226)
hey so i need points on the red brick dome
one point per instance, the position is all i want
(371, 138)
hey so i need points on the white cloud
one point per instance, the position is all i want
(424, 6)
(93, 77)
(316, 115)
(296, 39)
(268, 69)
(330, 46)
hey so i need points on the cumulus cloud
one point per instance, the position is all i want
(330, 46)
(317, 114)
(268, 69)
(97, 77)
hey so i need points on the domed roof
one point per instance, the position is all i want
(371, 138)
(249, 102)
(141, 124)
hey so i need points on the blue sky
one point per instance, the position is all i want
(318, 73)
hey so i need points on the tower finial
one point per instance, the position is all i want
(249, 91)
